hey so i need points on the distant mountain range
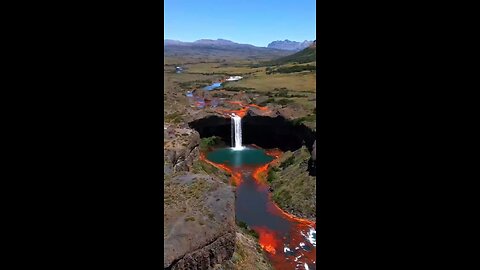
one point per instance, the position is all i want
(223, 47)
(220, 48)
(218, 42)
(289, 45)
(306, 55)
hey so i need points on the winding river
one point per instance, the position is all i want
(213, 86)
(290, 242)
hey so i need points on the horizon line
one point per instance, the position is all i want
(237, 42)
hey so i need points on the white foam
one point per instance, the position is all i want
(285, 249)
(311, 238)
(306, 266)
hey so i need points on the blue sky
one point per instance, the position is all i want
(256, 22)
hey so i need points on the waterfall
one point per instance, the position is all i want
(236, 132)
(232, 134)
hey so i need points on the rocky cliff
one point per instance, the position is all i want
(199, 221)
(266, 131)
(181, 149)
(199, 214)
(208, 257)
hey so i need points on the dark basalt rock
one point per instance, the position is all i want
(314, 151)
(264, 131)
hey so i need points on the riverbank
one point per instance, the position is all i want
(291, 186)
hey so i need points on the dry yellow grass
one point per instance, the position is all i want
(306, 103)
(219, 68)
(247, 255)
(301, 82)
(298, 82)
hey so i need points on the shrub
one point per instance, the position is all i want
(282, 92)
(289, 161)
(245, 227)
(206, 143)
(242, 224)
(175, 117)
(282, 197)
(284, 101)
(292, 69)
(190, 219)
(271, 176)
(253, 233)
(298, 95)
(301, 120)
(237, 88)
(270, 100)
(298, 121)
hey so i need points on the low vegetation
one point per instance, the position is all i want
(175, 117)
(298, 82)
(246, 229)
(271, 175)
(195, 84)
(237, 88)
(203, 167)
(264, 103)
(206, 143)
(293, 188)
(283, 92)
(248, 254)
(304, 56)
(306, 119)
(289, 161)
(290, 69)
(220, 95)
(283, 101)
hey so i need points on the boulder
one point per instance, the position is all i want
(199, 221)
(181, 149)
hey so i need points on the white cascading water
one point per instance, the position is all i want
(236, 132)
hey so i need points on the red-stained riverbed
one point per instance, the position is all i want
(289, 242)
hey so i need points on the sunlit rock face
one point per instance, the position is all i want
(199, 221)
(180, 149)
